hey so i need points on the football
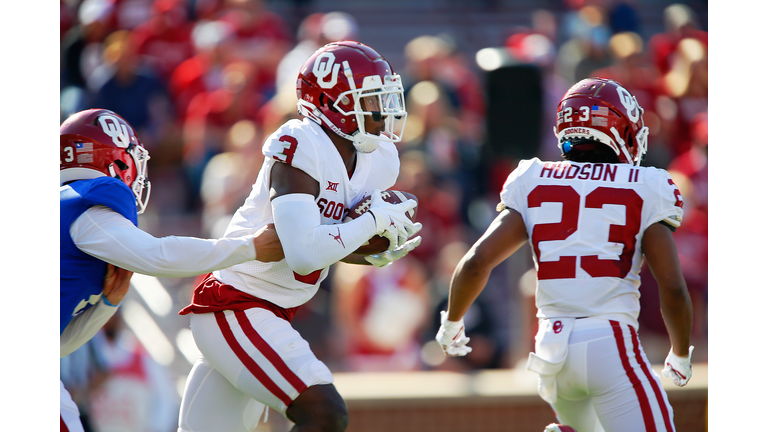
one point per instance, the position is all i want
(378, 244)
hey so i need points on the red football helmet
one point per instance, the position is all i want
(602, 110)
(98, 142)
(344, 81)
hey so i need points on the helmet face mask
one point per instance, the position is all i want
(342, 83)
(97, 143)
(141, 186)
(602, 110)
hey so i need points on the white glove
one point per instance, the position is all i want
(451, 336)
(386, 258)
(391, 220)
(678, 369)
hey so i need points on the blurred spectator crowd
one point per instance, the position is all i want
(205, 81)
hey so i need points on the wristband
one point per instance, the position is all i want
(108, 303)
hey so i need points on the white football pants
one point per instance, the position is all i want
(250, 359)
(607, 383)
(68, 411)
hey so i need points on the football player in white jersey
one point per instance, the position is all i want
(314, 170)
(590, 220)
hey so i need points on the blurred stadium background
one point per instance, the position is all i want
(205, 81)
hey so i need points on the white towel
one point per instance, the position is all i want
(551, 352)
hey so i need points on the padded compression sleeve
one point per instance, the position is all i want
(309, 245)
(110, 237)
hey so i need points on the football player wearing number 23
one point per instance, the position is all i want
(590, 220)
(314, 170)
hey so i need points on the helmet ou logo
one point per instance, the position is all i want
(325, 65)
(117, 131)
(630, 104)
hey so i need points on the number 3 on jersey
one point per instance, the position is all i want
(565, 267)
(290, 149)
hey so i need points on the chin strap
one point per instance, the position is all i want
(364, 143)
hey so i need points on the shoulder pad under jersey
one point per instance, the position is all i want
(298, 145)
(669, 206)
(511, 184)
(108, 192)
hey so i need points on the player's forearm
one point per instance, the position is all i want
(661, 255)
(112, 238)
(468, 281)
(190, 256)
(84, 326)
(355, 259)
(677, 312)
(309, 245)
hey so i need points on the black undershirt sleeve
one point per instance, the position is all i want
(668, 225)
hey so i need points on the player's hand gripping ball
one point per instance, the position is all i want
(378, 244)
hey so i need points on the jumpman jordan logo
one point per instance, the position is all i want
(338, 237)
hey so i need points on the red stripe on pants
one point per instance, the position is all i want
(645, 406)
(249, 363)
(269, 353)
(64, 427)
(654, 384)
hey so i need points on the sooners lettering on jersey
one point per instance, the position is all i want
(304, 145)
(586, 222)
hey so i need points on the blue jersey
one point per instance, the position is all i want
(82, 275)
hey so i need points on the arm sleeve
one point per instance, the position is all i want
(309, 245)
(84, 326)
(107, 235)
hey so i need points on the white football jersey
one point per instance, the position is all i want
(585, 224)
(304, 145)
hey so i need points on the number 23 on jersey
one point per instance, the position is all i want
(625, 235)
